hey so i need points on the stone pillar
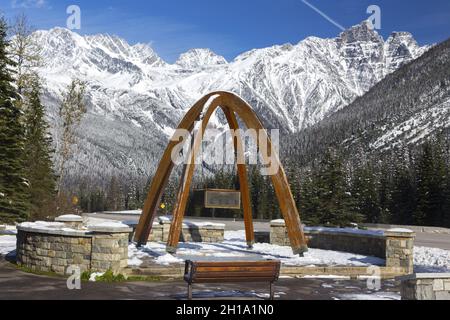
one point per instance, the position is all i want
(109, 247)
(156, 235)
(400, 249)
(425, 286)
(165, 229)
(278, 233)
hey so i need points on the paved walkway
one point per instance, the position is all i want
(15, 284)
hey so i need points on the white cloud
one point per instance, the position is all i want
(26, 4)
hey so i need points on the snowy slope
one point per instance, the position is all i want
(136, 99)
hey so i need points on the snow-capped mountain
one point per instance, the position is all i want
(136, 99)
(400, 112)
(199, 58)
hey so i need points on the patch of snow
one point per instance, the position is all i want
(69, 216)
(430, 260)
(188, 223)
(167, 259)
(7, 244)
(134, 262)
(109, 224)
(235, 247)
(325, 276)
(400, 230)
(346, 230)
(43, 225)
(93, 277)
(204, 224)
(371, 296)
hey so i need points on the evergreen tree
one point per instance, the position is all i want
(38, 151)
(430, 186)
(25, 52)
(113, 195)
(71, 111)
(257, 192)
(385, 193)
(365, 193)
(336, 206)
(309, 201)
(403, 196)
(14, 204)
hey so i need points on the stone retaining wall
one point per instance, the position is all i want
(55, 250)
(208, 233)
(426, 286)
(396, 245)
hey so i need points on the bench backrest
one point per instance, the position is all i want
(243, 271)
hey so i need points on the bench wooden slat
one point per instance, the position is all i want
(235, 264)
(202, 275)
(239, 269)
(235, 280)
(231, 271)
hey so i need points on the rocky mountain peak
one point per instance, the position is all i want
(362, 32)
(198, 58)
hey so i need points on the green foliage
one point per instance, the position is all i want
(85, 276)
(71, 111)
(109, 276)
(14, 203)
(327, 197)
(38, 153)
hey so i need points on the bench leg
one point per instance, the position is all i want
(272, 292)
(189, 291)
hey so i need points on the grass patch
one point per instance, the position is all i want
(37, 272)
(109, 276)
(135, 278)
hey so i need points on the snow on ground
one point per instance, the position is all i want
(430, 260)
(369, 296)
(426, 260)
(7, 244)
(234, 248)
(127, 212)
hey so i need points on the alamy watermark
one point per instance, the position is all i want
(74, 280)
(74, 20)
(374, 278)
(218, 148)
(375, 19)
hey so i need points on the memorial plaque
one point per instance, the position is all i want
(222, 199)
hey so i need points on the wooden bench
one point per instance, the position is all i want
(224, 271)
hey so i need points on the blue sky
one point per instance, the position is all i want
(233, 26)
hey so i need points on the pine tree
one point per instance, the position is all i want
(365, 193)
(25, 51)
(71, 111)
(430, 186)
(14, 202)
(38, 153)
(113, 195)
(403, 195)
(257, 192)
(336, 204)
(309, 201)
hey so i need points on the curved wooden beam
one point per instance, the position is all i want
(239, 146)
(233, 103)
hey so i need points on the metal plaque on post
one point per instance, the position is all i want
(222, 199)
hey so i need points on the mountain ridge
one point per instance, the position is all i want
(140, 97)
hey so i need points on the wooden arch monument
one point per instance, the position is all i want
(231, 105)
